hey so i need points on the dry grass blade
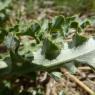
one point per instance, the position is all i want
(84, 68)
(72, 77)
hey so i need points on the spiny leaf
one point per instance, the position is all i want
(76, 26)
(65, 56)
(85, 23)
(57, 23)
(33, 31)
(77, 40)
(50, 50)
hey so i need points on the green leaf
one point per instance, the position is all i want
(33, 31)
(44, 29)
(65, 56)
(56, 75)
(57, 23)
(71, 67)
(25, 68)
(88, 59)
(40, 63)
(76, 26)
(66, 25)
(21, 65)
(50, 53)
(77, 40)
(49, 49)
(85, 23)
(70, 19)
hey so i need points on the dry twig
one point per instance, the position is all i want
(72, 77)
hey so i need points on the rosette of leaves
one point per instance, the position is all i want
(48, 55)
